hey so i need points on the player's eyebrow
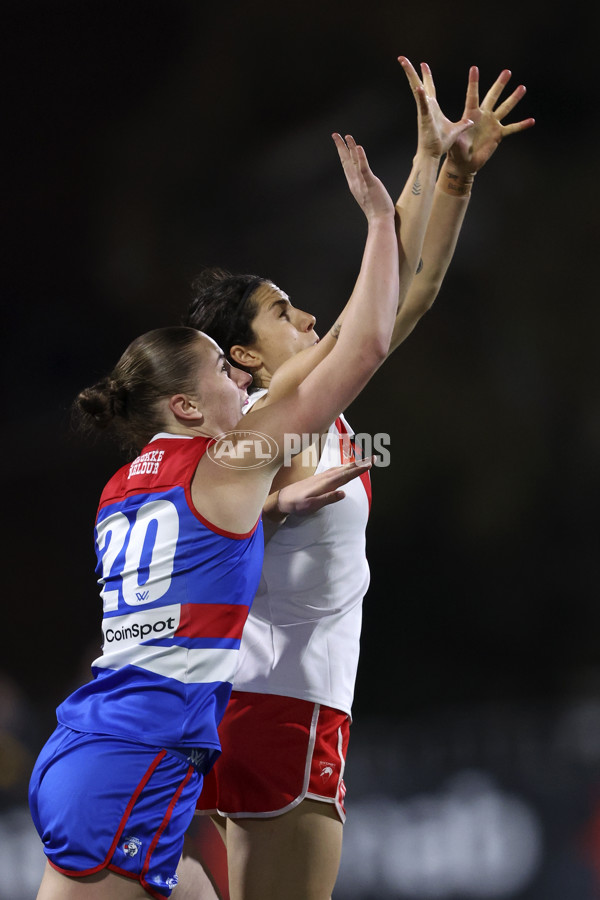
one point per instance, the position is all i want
(280, 302)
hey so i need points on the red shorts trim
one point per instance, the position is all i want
(276, 752)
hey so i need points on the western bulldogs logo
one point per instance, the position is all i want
(132, 846)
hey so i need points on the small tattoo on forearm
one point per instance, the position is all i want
(335, 331)
(416, 188)
(420, 266)
(459, 186)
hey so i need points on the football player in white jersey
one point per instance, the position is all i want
(279, 783)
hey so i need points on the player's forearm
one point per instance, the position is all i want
(378, 272)
(369, 314)
(448, 211)
(364, 338)
(361, 347)
(272, 516)
(371, 276)
(413, 209)
(412, 212)
(444, 227)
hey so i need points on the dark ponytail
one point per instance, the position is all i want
(222, 307)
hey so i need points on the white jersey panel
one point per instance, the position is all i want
(302, 636)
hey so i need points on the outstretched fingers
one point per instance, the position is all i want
(324, 489)
(409, 70)
(342, 148)
(357, 153)
(416, 86)
(515, 127)
(472, 101)
(428, 83)
(351, 153)
(493, 95)
(365, 187)
(340, 475)
(507, 106)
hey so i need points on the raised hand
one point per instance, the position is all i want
(473, 148)
(366, 188)
(436, 133)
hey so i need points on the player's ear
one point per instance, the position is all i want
(243, 356)
(185, 408)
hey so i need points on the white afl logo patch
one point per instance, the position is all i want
(327, 770)
(243, 449)
(131, 846)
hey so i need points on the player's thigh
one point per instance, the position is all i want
(196, 879)
(294, 856)
(193, 883)
(104, 885)
(220, 823)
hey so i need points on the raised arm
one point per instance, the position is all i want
(465, 158)
(363, 342)
(435, 135)
(229, 497)
(232, 496)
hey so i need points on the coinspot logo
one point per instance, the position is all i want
(244, 449)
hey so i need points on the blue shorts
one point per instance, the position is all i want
(104, 802)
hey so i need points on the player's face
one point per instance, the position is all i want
(281, 330)
(222, 389)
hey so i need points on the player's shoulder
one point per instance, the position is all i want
(167, 460)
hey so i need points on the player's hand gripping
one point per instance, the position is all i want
(366, 188)
(436, 133)
(472, 149)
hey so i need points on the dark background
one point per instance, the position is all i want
(143, 140)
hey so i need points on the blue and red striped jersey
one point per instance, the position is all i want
(176, 592)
